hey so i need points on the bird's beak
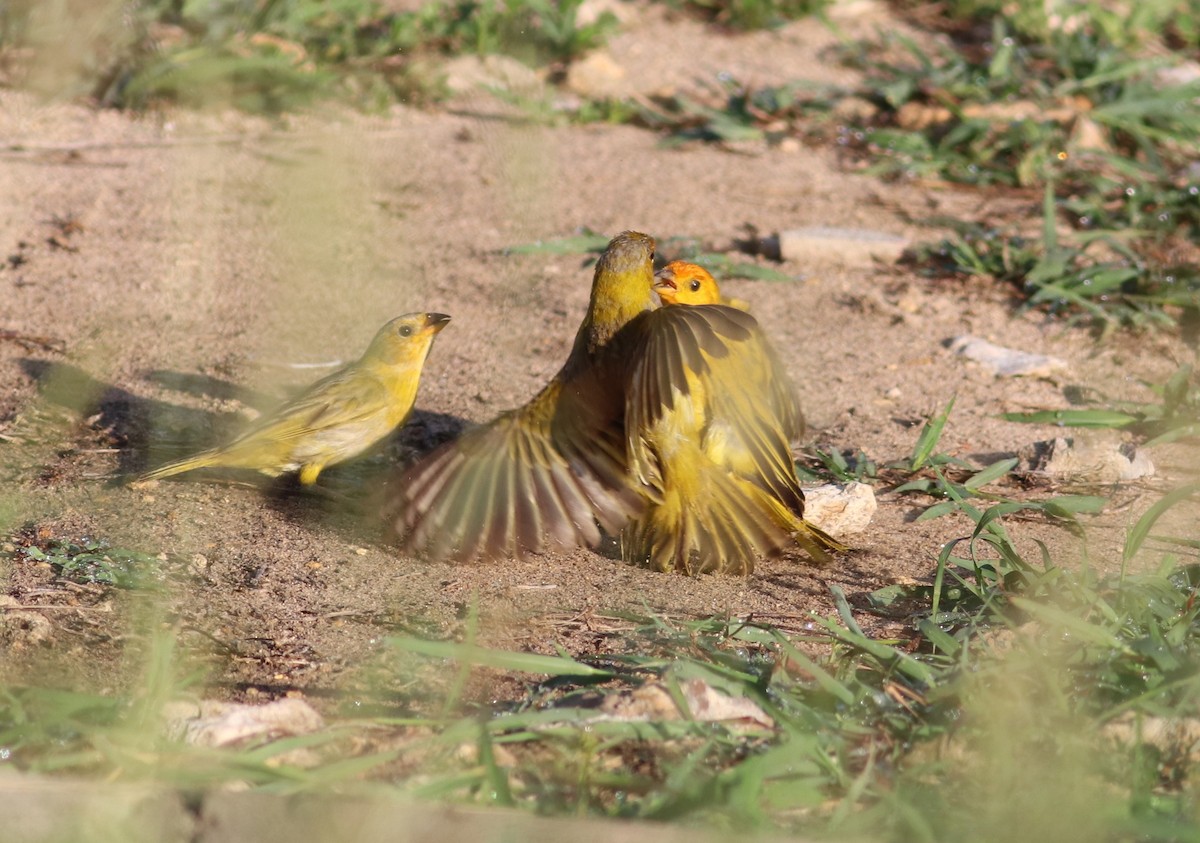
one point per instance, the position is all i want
(436, 321)
(664, 279)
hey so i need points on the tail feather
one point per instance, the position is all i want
(206, 459)
(812, 539)
(721, 526)
(816, 542)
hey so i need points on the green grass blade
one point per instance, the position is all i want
(578, 245)
(1139, 532)
(498, 659)
(1052, 616)
(824, 679)
(930, 434)
(1074, 418)
(884, 653)
(993, 472)
(1066, 506)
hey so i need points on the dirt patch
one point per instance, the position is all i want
(194, 269)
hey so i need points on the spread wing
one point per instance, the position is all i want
(719, 360)
(782, 395)
(753, 418)
(543, 474)
(670, 358)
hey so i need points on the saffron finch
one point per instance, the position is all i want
(680, 282)
(339, 416)
(712, 447)
(551, 471)
(651, 404)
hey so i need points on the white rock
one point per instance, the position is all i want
(214, 723)
(840, 510)
(19, 627)
(851, 11)
(1094, 458)
(653, 703)
(1006, 362)
(1184, 73)
(850, 246)
(590, 11)
(596, 76)
(1176, 736)
(1088, 136)
(467, 74)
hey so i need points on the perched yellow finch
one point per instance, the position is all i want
(546, 472)
(680, 282)
(712, 447)
(339, 416)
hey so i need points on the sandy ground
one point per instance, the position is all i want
(195, 269)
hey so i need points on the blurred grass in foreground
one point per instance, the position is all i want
(1060, 698)
(273, 57)
(1022, 697)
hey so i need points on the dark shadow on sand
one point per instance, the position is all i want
(148, 432)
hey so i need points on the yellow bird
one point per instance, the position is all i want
(712, 444)
(692, 284)
(681, 282)
(339, 416)
(588, 453)
(550, 472)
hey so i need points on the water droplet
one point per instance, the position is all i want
(1131, 191)
(1085, 221)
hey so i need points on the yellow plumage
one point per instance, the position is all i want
(680, 282)
(336, 418)
(552, 471)
(672, 424)
(711, 440)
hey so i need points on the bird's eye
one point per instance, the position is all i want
(694, 286)
(405, 331)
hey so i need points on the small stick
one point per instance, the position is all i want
(35, 608)
(33, 340)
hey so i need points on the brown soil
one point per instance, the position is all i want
(190, 264)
